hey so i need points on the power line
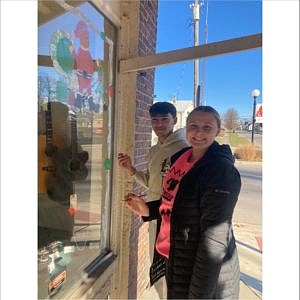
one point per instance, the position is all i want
(196, 18)
(183, 69)
(202, 101)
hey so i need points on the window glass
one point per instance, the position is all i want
(75, 104)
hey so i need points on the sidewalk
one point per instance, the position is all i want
(249, 244)
(250, 257)
(245, 293)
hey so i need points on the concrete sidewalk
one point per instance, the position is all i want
(249, 245)
(250, 258)
(245, 293)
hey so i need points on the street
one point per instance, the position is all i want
(249, 207)
(257, 139)
(247, 222)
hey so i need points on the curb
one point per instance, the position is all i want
(248, 162)
(246, 292)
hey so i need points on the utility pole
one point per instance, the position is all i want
(196, 17)
(202, 101)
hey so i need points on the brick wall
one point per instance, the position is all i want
(139, 250)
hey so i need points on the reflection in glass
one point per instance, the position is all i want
(75, 93)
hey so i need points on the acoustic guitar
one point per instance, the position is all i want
(73, 159)
(48, 144)
(78, 158)
(70, 167)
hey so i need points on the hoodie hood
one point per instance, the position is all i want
(217, 150)
(174, 137)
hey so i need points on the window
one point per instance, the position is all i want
(75, 109)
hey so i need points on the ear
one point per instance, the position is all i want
(175, 120)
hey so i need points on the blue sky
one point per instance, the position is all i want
(281, 86)
(228, 79)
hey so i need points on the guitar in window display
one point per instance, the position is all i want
(70, 167)
(54, 221)
(48, 145)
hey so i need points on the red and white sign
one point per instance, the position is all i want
(259, 113)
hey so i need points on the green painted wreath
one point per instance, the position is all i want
(61, 55)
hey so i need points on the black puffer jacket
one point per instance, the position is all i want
(203, 262)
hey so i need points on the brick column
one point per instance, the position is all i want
(139, 249)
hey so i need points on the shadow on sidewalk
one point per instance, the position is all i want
(248, 246)
(251, 282)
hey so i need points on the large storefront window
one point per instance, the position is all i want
(75, 105)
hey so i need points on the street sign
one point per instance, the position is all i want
(259, 113)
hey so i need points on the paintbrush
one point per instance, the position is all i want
(143, 195)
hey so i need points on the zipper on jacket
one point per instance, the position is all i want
(185, 232)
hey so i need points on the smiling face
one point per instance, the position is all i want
(201, 130)
(162, 125)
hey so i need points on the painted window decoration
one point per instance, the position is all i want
(75, 105)
(82, 77)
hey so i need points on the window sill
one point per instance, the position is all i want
(97, 273)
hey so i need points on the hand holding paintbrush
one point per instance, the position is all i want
(136, 204)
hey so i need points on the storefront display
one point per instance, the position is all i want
(75, 105)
